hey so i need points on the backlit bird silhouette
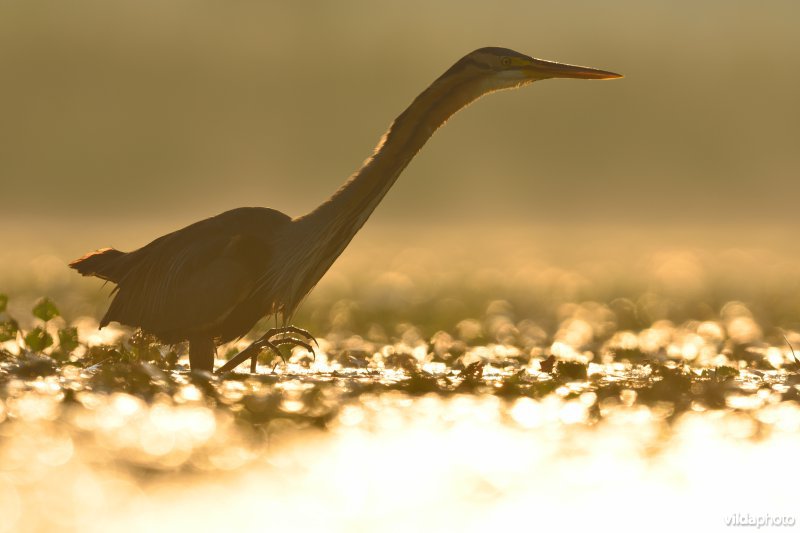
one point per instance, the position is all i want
(210, 282)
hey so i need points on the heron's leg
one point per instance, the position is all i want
(248, 353)
(254, 362)
(201, 353)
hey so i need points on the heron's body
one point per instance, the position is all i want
(198, 281)
(210, 282)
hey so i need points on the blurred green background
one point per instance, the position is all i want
(124, 120)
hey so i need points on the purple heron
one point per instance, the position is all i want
(210, 282)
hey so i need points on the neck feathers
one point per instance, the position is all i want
(315, 240)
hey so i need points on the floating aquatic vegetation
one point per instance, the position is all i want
(129, 410)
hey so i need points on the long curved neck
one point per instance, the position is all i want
(348, 209)
(322, 234)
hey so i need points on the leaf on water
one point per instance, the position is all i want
(547, 364)
(724, 373)
(571, 370)
(45, 309)
(473, 374)
(68, 339)
(38, 339)
(31, 366)
(8, 330)
(421, 382)
(3, 302)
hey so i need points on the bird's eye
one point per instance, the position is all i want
(506, 61)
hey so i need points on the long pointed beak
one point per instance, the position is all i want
(550, 69)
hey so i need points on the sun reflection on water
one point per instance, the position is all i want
(389, 459)
(619, 408)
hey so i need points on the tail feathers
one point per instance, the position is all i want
(104, 264)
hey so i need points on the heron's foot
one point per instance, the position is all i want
(268, 341)
(290, 329)
(274, 347)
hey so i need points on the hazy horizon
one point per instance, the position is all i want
(130, 110)
(125, 121)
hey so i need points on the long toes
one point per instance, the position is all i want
(237, 359)
(266, 342)
(272, 332)
(297, 342)
(291, 341)
(298, 331)
(307, 335)
(273, 346)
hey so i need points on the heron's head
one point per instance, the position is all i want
(500, 68)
